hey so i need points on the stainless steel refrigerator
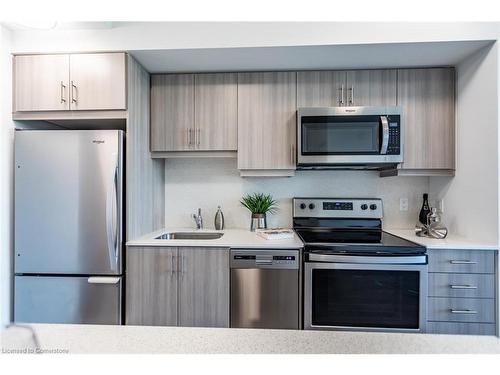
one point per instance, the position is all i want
(68, 226)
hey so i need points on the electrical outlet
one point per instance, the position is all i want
(403, 204)
(440, 205)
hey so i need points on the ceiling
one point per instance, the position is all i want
(360, 56)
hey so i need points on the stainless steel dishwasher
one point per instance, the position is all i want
(265, 288)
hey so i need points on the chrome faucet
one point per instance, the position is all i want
(198, 219)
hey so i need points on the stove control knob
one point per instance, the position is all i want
(364, 206)
(373, 206)
(311, 206)
(302, 206)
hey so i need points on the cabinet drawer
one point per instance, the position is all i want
(471, 285)
(462, 261)
(461, 328)
(461, 310)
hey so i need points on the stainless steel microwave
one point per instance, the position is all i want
(349, 137)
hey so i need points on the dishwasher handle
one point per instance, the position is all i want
(265, 259)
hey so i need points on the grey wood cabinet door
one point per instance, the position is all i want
(41, 83)
(321, 89)
(151, 286)
(427, 97)
(266, 120)
(203, 287)
(216, 111)
(98, 81)
(172, 112)
(371, 87)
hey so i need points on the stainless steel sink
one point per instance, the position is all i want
(190, 236)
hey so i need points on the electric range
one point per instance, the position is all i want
(356, 276)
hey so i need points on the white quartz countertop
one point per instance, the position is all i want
(241, 238)
(450, 242)
(233, 238)
(55, 338)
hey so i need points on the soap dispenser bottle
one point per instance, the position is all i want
(219, 219)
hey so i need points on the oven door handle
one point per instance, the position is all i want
(385, 135)
(417, 259)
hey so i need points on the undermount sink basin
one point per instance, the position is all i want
(190, 236)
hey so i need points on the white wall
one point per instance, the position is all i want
(6, 177)
(171, 35)
(207, 183)
(471, 197)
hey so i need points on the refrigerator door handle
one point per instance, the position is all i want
(103, 280)
(111, 217)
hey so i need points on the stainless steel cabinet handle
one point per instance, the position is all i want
(341, 100)
(63, 87)
(189, 136)
(462, 262)
(463, 287)
(73, 96)
(466, 311)
(172, 264)
(181, 265)
(351, 99)
(198, 132)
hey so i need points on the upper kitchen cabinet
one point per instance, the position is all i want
(266, 123)
(321, 89)
(97, 81)
(216, 111)
(427, 98)
(194, 112)
(62, 82)
(41, 83)
(347, 88)
(172, 112)
(371, 87)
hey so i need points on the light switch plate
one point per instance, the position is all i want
(403, 204)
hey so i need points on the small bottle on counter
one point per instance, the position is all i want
(219, 219)
(425, 210)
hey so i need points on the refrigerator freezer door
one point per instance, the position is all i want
(68, 194)
(60, 299)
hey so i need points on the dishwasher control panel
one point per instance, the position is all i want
(265, 258)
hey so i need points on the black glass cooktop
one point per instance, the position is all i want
(356, 241)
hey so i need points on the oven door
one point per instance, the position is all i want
(329, 136)
(357, 296)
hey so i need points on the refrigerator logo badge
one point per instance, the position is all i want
(96, 141)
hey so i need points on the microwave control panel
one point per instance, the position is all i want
(394, 146)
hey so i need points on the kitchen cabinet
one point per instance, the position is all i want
(98, 81)
(204, 287)
(216, 111)
(74, 82)
(185, 286)
(41, 83)
(194, 112)
(151, 286)
(347, 88)
(267, 123)
(172, 112)
(462, 293)
(427, 98)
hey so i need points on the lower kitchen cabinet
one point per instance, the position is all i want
(462, 292)
(185, 286)
(151, 286)
(204, 287)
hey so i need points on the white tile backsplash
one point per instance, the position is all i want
(207, 183)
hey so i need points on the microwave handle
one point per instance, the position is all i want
(385, 135)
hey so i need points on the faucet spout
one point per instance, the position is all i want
(198, 219)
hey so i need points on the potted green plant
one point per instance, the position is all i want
(259, 205)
